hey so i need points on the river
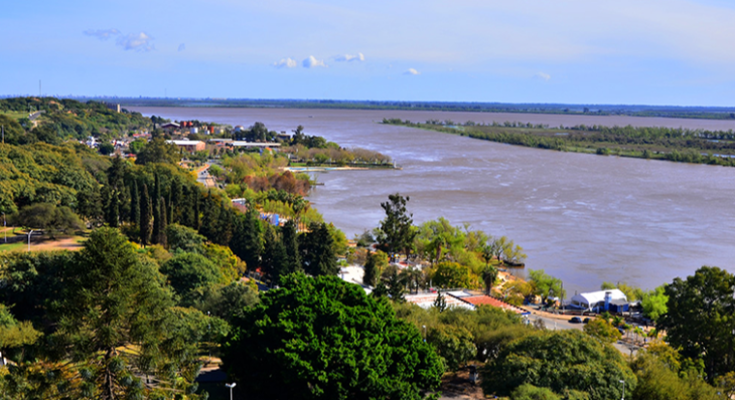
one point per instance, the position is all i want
(583, 218)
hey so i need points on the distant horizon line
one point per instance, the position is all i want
(407, 102)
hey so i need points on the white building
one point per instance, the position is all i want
(592, 300)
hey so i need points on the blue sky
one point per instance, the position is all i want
(664, 52)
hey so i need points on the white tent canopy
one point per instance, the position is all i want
(591, 300)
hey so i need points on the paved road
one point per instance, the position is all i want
(558, 323)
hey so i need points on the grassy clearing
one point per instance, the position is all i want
(15, 114)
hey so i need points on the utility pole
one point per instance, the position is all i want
(29, 239)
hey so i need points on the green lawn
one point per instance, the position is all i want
(12, 246)
(15, 114)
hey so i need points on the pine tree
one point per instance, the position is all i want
(290, 240)
(396, 289)
(246, 242)
(317, 251)
(224, 224)
(274, 255)
(210, 219)
(146, 215)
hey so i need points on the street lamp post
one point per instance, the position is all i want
(209, 340)
(231, 385)
(29, 239)
(623, 382)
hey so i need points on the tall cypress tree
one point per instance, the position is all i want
(146, 215)
(162, 240)
(156, 201)
(197, 201)
(112, 212)
(186, 211)
(175, 202)
(125, 209)
(135, 203)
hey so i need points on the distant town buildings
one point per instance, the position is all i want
(188, 145)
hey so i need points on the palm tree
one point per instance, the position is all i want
(489, 275)
(412, 277)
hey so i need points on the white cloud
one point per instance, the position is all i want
(412, 71)
(286, 63)
(312, 62)
(102, 34)
(351, 57)
(136, 41)
(182, 47)
(542, 75)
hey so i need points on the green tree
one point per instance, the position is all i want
(228, 302)
(374, 267)
(156, 203)
(317, 251)
(701, 318)
(185, 239)
(114, 298)
(274, 260)
(188, 272)
(89, 204)
(454, 344)
(654, 303)
(397, 228)
(545, 284)
(603, 330)
(290, 241)
(659, 379)
(158, 151)
(247, 240)
(530, 392)
(146, 216)
(48, 217)
(451, 275)
(135, 203)
(136, 146)
(324, 338)
(396, 288)
(161, 223)
(561, 361)
(489, 276)
(15, 334)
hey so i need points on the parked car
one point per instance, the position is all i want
(575, 320)
(586, 320)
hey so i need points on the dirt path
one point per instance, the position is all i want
(60, 244)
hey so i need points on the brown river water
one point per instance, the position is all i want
(583, 218)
